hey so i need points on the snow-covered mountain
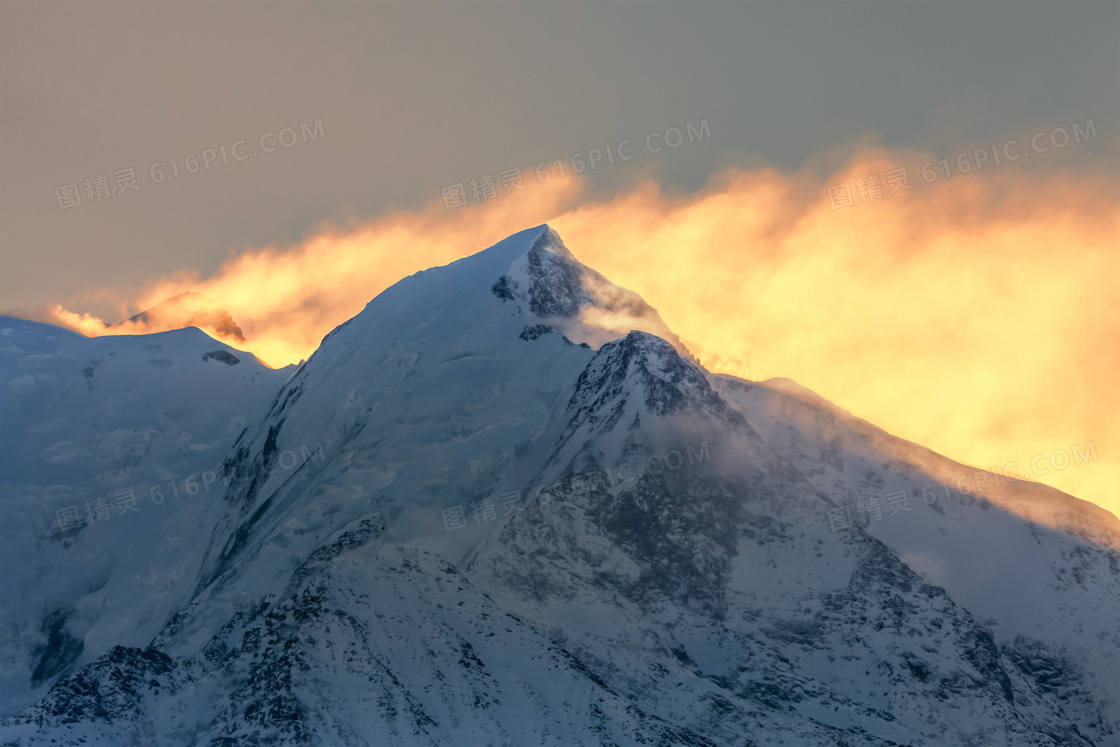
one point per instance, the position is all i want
(109, 451)
(505, 505)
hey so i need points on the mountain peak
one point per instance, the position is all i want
(649, 366)
(556, 287)
(551, 283)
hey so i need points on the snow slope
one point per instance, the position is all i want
(85, 419)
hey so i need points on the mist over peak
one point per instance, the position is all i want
(187, 309)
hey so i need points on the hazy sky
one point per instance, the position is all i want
(290, 161)
(417, 96)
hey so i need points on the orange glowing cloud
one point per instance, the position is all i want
(286, 299)
(976, 315)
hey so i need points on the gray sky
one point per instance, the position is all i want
(416, 96)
